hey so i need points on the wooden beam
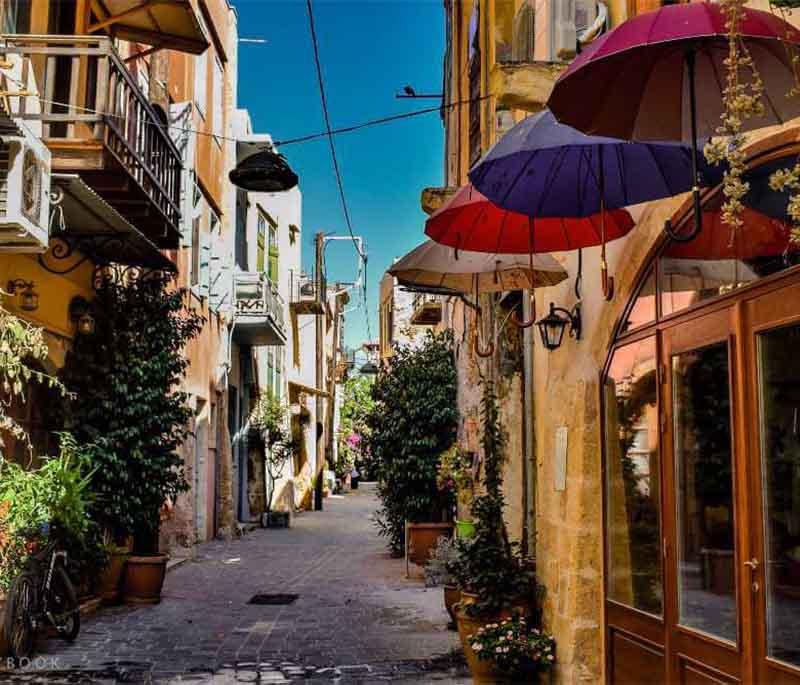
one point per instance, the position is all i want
(143, 53)
(116, 18)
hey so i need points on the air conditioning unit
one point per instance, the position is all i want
(24, 194)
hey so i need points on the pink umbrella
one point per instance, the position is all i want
(660, 76)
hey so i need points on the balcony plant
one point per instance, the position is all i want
(138, 416)
(414, 420)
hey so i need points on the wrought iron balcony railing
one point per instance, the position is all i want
(259, 309)
(98, 123)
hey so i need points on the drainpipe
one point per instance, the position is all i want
(529, 441)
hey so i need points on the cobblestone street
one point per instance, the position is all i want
(356, 618)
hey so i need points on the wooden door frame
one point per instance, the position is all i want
(754, 323)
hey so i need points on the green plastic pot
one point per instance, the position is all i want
(465, 529)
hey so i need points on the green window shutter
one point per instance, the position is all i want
(273, 264)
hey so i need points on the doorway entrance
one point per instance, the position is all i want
(702, 470)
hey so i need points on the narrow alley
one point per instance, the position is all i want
(356, 617)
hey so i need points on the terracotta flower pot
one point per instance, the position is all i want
(452, 596)
(144, 578)
(110, 578)
(483, 670)
(422, 538)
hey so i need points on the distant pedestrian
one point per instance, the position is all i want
(354, 476)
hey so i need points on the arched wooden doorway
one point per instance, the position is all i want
(701, 398)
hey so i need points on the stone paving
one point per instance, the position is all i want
(357, 618)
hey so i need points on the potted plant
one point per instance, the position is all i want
(269, 420)
(439, 573)
(455, 474)
(510, 650)
(413, 420)
(495, 579)
(138, 416)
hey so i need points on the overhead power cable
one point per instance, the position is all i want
(335, 159)
(329, 129)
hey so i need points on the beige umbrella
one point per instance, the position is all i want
(432, 265)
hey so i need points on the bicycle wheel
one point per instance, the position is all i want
(63, 605)
(20, 606)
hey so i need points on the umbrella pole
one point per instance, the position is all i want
(607, 281)
(690, 57)
(529, 294)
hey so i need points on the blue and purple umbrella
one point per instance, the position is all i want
(542, 168)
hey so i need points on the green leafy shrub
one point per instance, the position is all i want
(414, 420)
(55, 495)
(126, 378)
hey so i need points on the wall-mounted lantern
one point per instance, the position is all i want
(265, 171)
(28, 297)
(552, 326)
(80, 313)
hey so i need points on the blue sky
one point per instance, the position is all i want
(369, 50)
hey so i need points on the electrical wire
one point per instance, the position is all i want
(334, 158)
(329, 128)
(289, 141)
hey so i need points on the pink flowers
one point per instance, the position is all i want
(514, 647)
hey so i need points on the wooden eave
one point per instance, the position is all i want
(170, 24)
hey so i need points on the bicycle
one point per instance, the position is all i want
(42, 594)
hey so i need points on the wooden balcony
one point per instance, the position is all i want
(524, 85)
(98, 123)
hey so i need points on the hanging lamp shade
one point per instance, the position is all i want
(265, 171)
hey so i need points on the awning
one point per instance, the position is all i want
(170, 24)
(93, 227)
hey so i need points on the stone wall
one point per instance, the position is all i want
(569, 544)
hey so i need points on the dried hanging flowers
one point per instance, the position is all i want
(742, 98)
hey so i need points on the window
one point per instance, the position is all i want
(633, 488)
(218, 95)
(261, 240)
(273, 254)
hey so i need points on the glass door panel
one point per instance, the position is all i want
(703, 457)
(779, 390)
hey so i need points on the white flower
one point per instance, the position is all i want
(505, 650)
(549, 657)
(477, 646)
(498, 650)
(509, 634)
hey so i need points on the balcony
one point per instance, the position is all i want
(259, 318)
(303, 296)
(426, 310)
(524, 85)
(99, 124)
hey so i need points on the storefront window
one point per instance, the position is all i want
(632, 478)
(779, 384)
(704, 465)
